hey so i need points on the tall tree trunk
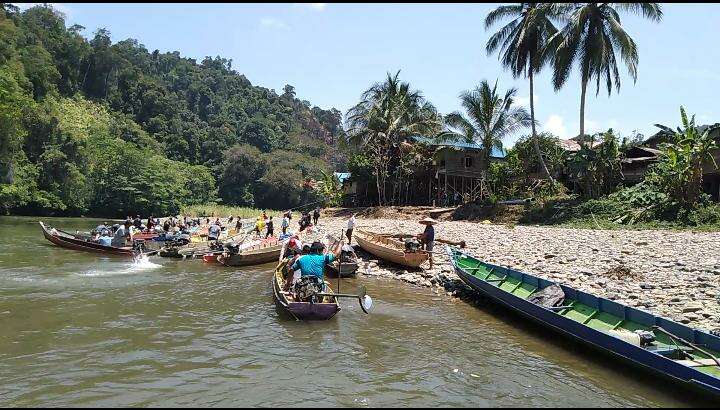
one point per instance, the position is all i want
(536, 142)
(582, 107)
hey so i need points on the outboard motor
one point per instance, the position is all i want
(412, 245)
(232, 248)
(139, 245)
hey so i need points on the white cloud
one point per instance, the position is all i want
(556, 125)
(274, 23)
(592, 127)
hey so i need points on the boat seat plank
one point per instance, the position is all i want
(697, 362)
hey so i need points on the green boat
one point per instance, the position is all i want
(662, 346)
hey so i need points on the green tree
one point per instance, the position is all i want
(594, 37)
(679, 172)
(521, 44)
(490, 118)
(389, 113)
(596, 166)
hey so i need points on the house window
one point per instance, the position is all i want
(468, 162)
(442, 162)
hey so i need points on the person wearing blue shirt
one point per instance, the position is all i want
(313, 264)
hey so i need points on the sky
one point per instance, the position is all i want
(331, 53)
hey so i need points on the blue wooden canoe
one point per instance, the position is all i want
(678, 352)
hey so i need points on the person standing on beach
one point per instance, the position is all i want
(285, 223)
(350, 227)
(427, 238)
(316, 215)
(269, 224)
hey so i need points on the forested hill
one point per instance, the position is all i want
(91, 127)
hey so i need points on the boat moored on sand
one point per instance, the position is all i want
(664, 347)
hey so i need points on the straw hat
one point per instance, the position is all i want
(428, 221)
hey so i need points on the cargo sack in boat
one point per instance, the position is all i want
(307, 288)
(551, 296)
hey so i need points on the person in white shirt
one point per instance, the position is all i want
(285, 224)
(350, 227)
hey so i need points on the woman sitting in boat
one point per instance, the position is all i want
(293, 275)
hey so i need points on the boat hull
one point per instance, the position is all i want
(68, 242)
(656, 363)
(389, 249)
(347, 270)
(300, 310)
(252, 257)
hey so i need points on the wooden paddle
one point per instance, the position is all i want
(366, 302)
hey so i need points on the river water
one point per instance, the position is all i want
(80, 329)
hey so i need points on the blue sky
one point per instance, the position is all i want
(331, 53)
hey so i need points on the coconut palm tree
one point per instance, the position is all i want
(490, 118)
(594, 38)
(387, 114)
(521, 44)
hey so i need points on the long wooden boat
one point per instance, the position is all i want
(664, 347)
(70, 241)
(347, 270)
(323, 310)
(390, 249)
(265, 252)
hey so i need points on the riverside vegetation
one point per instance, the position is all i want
(88, 127)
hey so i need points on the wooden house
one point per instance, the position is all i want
(459, 171)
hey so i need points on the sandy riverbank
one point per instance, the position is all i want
(673, 274)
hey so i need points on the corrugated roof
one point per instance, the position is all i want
(459, 145)
(342, 176)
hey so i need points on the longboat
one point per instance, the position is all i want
(79, 243)
(390, 249)
(348, 269)
(264, 252)
(323, 310)
(661, 346)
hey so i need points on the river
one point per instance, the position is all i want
(80, 329)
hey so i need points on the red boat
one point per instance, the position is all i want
(146, 236)
(78, 243)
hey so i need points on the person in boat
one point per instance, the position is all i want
(270, 230)
(316, 215)
(294, 275)
(294, 246)
(350, 227)
(214, 231)
(150, 223)
(313, 264)
(238, 225)
(120, 235)
(102, 229)
(137, 222)
(427, 238)
(105, 239)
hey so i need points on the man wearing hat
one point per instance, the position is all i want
(428, 236)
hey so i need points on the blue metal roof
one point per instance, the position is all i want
(496, 153)
(342, 176)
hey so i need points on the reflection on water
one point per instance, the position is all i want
(79, 329)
